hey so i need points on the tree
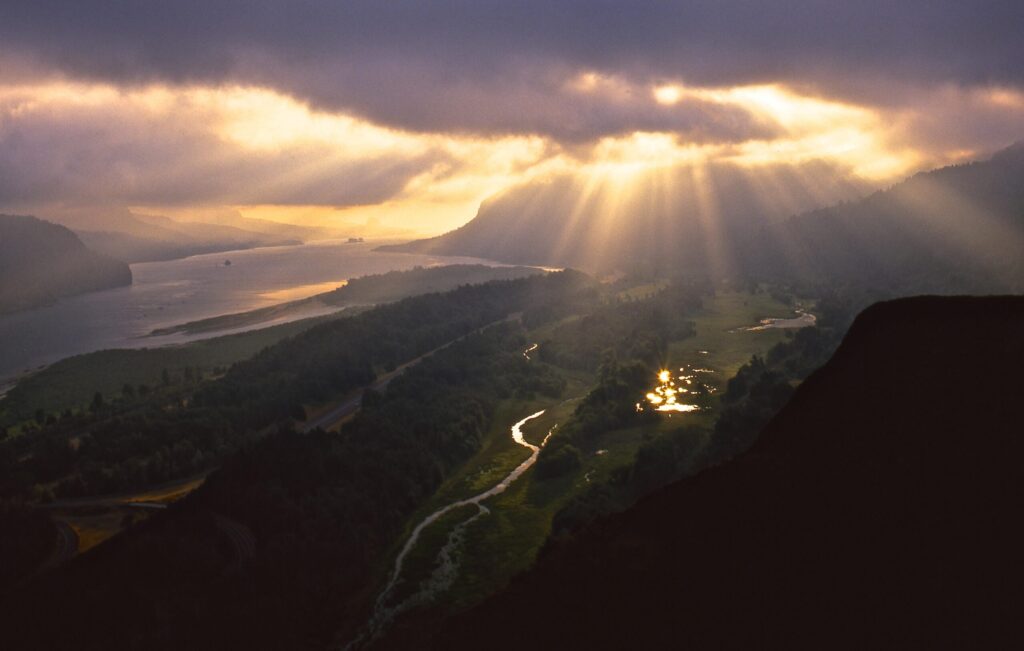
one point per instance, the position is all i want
(97, 402)
(165, 377)
(128, 390)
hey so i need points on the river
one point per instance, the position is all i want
(444, 575)
(177, 291)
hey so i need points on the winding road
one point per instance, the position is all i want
(65, 547)
(241, 538)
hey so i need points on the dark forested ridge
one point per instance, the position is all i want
(879, 508)
(321, 510)
(41, 262)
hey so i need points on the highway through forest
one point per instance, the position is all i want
(351, 404)
(241, 537)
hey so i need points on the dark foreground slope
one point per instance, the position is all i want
(40, 262)
(881, 507)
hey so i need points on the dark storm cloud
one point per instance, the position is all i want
(500, 67)
(93, 153)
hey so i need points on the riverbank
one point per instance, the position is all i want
(168, 294)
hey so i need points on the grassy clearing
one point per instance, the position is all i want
(95, 528)
(168, 493)
(506, 541)
(716, 345)
(96, 523)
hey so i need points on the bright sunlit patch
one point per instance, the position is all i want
(668, 94)
(1006, 98)
(263, 119)
(302, 291)
(665, 396)
(813, 128)
(793, 111)
(623, 159)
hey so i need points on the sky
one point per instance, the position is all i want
(409, 114)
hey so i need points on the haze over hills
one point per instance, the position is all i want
(41, 261)
(959, 228)
(879, 508)
(681, 219)
(145, 238)
(962, 224)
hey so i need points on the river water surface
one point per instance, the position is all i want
(177, 291)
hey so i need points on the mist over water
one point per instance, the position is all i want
(169, 293)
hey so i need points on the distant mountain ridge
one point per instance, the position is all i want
(658, 223)
(147, 238)
(41, 262)
(956, 228)
(879, 509)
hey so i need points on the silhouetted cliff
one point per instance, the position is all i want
(879, 508)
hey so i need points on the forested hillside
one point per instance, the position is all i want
(187, 426)
(322, 507)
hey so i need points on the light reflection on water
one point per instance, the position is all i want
(302, 291)
(674, 391)
(802, 320)
(173, 292)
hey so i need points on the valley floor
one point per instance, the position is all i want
(504, 542)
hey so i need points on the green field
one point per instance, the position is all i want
(726, 350)
(506, 541)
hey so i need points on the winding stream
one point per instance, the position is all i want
(442, 577)
(801, 320)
